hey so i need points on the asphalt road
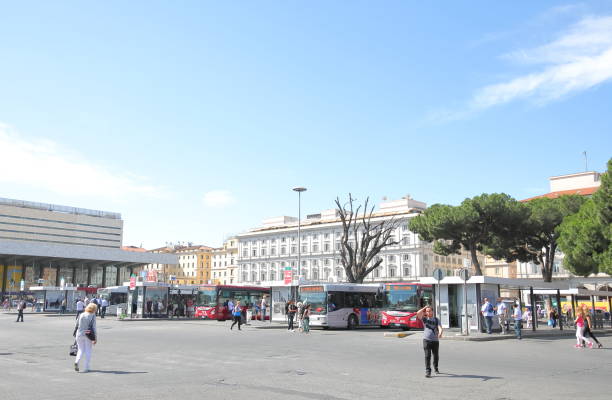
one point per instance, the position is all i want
(205, 360)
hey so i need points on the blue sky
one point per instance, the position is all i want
(195, 119)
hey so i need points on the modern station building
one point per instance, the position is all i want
(49, 244)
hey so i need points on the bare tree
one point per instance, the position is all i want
(362, 238)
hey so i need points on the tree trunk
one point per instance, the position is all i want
(547, 264)
(475, 262)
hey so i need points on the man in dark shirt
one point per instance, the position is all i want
(432, 331)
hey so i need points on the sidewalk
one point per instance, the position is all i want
(526, 334)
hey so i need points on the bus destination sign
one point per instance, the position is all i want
(305, 289)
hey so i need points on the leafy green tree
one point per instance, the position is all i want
(485, 223)
(585, 237)
(538, 240)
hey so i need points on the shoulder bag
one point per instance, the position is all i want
(91, 335)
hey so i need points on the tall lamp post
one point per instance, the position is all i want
(299, 191)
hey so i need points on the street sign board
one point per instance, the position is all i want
(438, 274)
(132, 282)
(288, 276)
(464, 274)
(467, 263)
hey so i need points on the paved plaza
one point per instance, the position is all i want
(205, 360)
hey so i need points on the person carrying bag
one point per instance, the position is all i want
(85, 333)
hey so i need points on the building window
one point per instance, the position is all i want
(337, 245)
(392, 272)
(283, 250)
(326, 247)
(391, 258)
(326, 262)
(293, 249)
(314, 263)
(315, 248)
(263, 252)
(272, 275)
(254, 253)
(315, 274)
(406, 270)
(304, 248)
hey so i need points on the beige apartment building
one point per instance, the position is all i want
(193, 266)
(225, 263)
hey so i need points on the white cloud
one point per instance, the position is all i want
(578, 60)
(218, 198)
(43, 164)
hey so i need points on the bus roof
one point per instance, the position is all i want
(348, 287)
(256, 288)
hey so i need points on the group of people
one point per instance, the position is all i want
(101, 304)
(584, 324)
(238, 310)
(299, 311)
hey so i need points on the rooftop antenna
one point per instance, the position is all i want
(586, 161)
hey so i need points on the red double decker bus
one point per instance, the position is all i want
(214, 301)
(402, 301)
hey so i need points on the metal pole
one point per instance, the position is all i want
(559, 309)
(465, 303)
(534, 314)
(299, 266)
(593, 317)
(439, 313)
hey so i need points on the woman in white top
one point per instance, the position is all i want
(86, 326)
(518, 317)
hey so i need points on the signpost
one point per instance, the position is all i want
(288, 275)
(438, 274)
(465, 275)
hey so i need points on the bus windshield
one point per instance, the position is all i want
(207, 297)
(316, 297)
(402, 298)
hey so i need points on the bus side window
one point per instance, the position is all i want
(335, 300)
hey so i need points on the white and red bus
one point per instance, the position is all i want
(402, 301)
(213, 301)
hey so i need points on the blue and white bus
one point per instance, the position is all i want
(343, 305)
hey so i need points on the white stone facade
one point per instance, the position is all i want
(265, 252)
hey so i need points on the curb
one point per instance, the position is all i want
(397, 334)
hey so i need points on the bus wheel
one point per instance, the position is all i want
(352, 322)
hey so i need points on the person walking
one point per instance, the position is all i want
(517, 316)
(580, 321)
(306, 318)
(80, 307)
(63, 307)
(86, 336)
(104, 306)
(502, 316)
(299, 315)
(237, 315)
(264, 305)
(432, 332)
(291, 310)
(488, 313)
(588, 325)
(20, 307)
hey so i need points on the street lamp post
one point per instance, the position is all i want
(299, 190)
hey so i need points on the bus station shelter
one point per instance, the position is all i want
(575, 297)
(450, 302)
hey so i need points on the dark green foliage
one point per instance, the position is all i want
(485, 223)
(585, 237)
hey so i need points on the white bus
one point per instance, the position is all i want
(343, 305)
(117, 298)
